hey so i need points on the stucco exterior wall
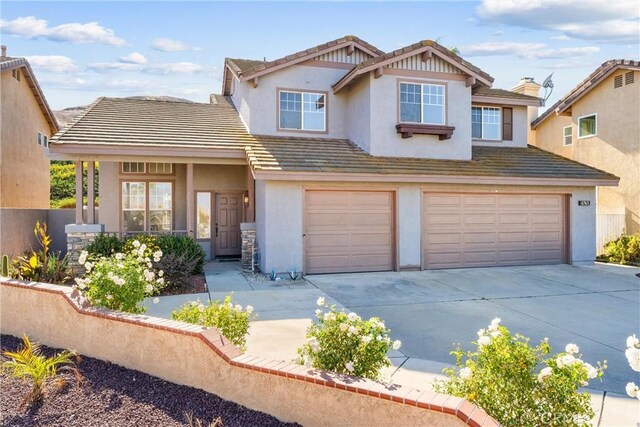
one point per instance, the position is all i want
(279, 225)
(615, 148)
(359, 113)
(520, 130)
(386, 141)
(109, 196)
(280, 211)
(259, 106)
(24, 165)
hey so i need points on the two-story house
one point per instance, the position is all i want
(347, 159)
(597, 124)
(27, 125)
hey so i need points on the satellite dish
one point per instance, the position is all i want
(547, 84)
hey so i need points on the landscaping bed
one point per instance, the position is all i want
(196, 284)
(111, 395)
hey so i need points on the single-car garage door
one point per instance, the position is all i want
(479, 230)
(348, 231)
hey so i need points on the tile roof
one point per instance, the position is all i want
(599, 74)
(370, 64)
(241, 65)
(8, 63)
(139, 122)
(342, 156)
(129, 123)
(250, 67)
(503, 93)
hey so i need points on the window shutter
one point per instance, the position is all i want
(507, 124)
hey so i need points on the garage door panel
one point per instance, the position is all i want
(348, 231)
(445, 219)
(492, 229)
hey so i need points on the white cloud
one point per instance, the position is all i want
(526, 50)
(161, 68)
(560, 37)
(168, 45)
(134, 58)
(52, 63)
(128, 85)
(498, 33)
(599, 20)
(32, 27)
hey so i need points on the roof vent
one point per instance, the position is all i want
(213, 100)
(4, 51)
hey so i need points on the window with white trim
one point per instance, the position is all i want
(567, 135)
(422, 103)
(486, 123)
(302, 111)
(147, 206)
(587, 126)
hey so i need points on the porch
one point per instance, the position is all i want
(207, 201)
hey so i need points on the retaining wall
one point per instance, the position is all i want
(203, 358)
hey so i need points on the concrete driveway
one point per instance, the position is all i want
(431, 311)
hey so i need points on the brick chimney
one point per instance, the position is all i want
(528, 86)
(4, 51)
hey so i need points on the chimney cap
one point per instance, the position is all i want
(527, 80)
(4, 51)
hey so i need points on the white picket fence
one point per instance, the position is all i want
(608, 227)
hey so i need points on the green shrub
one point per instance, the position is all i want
(29, 363)
(43, 265)
(177, 270)
(104, 245)
(231, 320)
(184, 246)
(502, 377)
(346, 344)
(623, 250)
(120, 282)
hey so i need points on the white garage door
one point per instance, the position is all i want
(479, 230)
(348, 231)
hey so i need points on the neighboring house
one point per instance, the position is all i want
(347, 159)
(27, 125)
(598, 124)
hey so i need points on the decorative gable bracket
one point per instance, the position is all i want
(408, 129)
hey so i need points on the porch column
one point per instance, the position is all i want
(91, 193)
(251, 186)
(79, 202)
(191, 214)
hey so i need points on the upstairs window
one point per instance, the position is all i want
(422, 103)
(587, 126)
(303, 111)
(567, 135)
(486, 123)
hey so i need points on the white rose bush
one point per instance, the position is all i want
(231, 320)
(521, 385)
(632, 353)
(347, 344)
(121, 281)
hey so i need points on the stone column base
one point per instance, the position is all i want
(79, 236)
(249, 246)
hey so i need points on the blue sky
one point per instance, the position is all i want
(83, 50)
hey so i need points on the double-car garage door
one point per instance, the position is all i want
(353, 231)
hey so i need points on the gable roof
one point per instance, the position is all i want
(411, 50)
(597, 76)
(8, 63)
(249, 69)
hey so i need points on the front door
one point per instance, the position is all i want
(227, 226)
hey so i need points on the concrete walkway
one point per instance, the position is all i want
(595, 307)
